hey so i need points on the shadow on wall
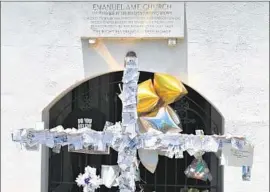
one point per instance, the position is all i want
(154, 55)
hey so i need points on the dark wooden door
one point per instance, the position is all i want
(97, 99)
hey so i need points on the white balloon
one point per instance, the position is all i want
(149, 159)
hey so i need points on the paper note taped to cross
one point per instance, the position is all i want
(237, 157)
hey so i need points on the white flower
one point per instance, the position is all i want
(82, 179)
(89, 180)
(86, 189)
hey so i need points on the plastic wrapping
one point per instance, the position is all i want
(198, 169)
(193, 190)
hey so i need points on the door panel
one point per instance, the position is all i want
(97, 99)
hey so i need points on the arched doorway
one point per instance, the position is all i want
(97, 99)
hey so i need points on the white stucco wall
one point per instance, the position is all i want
(228, 62)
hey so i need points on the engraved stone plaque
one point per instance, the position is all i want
(136, 19)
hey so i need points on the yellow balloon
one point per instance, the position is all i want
(147, 97)
(168, 88)
(153, 112)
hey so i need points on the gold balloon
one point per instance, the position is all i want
(153, 112)
(147, 97)
(168, 88)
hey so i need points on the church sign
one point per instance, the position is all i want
(136, 19)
